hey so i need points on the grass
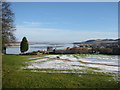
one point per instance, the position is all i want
(14, 77)
(93, 68)
(52, 70)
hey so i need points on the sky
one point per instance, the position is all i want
(65, 21)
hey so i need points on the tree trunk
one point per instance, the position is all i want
(4, 50)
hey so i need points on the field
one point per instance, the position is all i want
(22, 72)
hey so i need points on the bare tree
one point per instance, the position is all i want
(7, 25)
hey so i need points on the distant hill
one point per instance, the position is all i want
(99, 41)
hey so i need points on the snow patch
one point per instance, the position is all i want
(73, 64)
(56, 71)
(56, 64)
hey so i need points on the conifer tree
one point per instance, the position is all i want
(24, 45)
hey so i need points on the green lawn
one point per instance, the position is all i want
(15, 77)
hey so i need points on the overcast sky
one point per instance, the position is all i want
(65, 21)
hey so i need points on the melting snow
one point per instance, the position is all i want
(56, 64)
(73, 64)
(52, 56)
(56, 71)
(100, 60)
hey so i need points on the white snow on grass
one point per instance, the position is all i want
(60, 64)
(56, 64)
(105, 57)
(56, 71)
(71, 57)
(104, 68)
(102, 59)
(108, 62)
(52, 56)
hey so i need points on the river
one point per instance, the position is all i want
(36, 47)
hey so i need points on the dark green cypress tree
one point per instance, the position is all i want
(24, 45)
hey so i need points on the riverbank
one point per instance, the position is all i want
(14, 44)
(16, 76)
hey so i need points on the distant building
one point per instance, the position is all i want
(49, 48)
